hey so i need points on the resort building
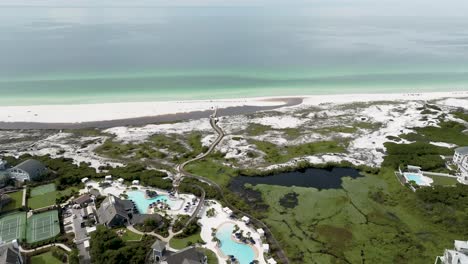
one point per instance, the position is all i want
(83, 200)
(458, 255)
(28, 170)
(9, 253)
(115, 212)
(190, 255)
(460, 158)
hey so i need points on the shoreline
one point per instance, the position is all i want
(141, 113)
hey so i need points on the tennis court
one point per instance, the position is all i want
(12, 226)
(43, 226)
(42, 189)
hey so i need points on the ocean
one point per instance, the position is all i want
(83, 54)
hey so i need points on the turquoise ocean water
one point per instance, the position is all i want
(88, 54)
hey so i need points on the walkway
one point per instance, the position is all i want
(183, 173)
(60, 245)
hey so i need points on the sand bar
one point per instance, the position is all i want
(140, 113)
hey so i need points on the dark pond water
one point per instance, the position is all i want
(316, 178)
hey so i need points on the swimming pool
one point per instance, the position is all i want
(418, 178)
(142, 203)
(243, 253)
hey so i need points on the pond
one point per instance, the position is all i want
(312, 177)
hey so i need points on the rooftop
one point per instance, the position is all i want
(462, 150)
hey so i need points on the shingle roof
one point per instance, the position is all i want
(159, 245)
(8, 254)
(462, 150)
(82, 199)
(33, 167)
(110, 207)
(187, 256)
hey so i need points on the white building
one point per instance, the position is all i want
(271, 261)
(228, 211)
(245, 219)
(458, 255)
(28, 170)
(460, 158)
(261, 232)
(266, 248)
(135, 182)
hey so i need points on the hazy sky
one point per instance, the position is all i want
(326, 7)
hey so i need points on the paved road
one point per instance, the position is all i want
(183, 173)
(80, 237)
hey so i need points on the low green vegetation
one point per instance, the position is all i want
(130, 236)
(441, 180)
(257, 129)
(16, 201)
(210, 255)
(337, 129)
(449, 132)
(138, 171)
(213, 169)
(422, 154)
(183, 242)
(42, 189)
(371, 220)
(461, 115)
(108, 248)
(280, 154)
(45, 258)
(45, 198)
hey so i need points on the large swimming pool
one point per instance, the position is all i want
(418, 178)
(243, 253)
(142, 203)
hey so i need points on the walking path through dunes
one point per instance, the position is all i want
(183, 173)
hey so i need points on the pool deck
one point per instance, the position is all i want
(221, 218)
(117, 189)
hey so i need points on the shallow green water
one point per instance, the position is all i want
(62, 55)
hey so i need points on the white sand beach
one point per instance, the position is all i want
(115, 111)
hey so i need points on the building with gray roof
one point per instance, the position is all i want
(115, 211)
(189, 255)
(10, 254)
(28, 170)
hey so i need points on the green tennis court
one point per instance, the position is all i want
(12, 226)
(42, 189)
(43, 226)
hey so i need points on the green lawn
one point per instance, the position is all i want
(441, 180)
(42, 189)
(47, 199)
(372, 219)
(213, 170)
(45, 258)
(180, 243)
(130, 236)
(212, 259)
(16, 201)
